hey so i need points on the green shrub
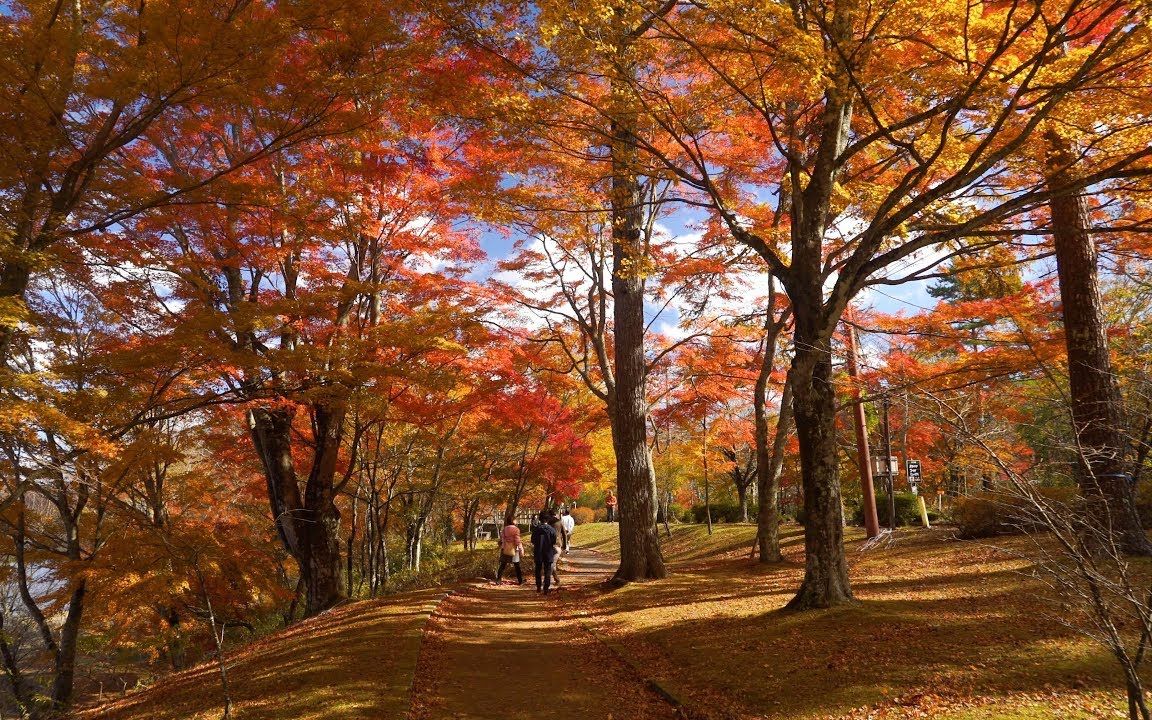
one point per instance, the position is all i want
(722, 512)
(996, 513)
(907, 510)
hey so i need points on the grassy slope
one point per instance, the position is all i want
(945, 629)
(353, 663)
(688, 542)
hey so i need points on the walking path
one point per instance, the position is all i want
(506, 652)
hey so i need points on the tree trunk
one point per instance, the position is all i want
(350, 544)
(639, 550)
(769, 462)
(308, 524)
(707, 488)
(23, 691)
(639, 540)
(1137, 706)
(814, 407)
(414, 541)
(1097, 405)
(15, 274)
(65, 675)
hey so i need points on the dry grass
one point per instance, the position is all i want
(353, 663)
(945, 629)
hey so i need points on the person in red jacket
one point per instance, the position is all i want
(610, 503)
(511, 550)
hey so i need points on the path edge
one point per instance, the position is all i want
(663, 689)
(432, 608)
(618, 650)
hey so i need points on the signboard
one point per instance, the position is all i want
(914, 476)
(892, 469)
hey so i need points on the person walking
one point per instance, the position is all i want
(561, 544)
(610, 504)
(511, 550)
(543, 552)
(569, 524)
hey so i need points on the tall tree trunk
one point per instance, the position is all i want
(814, 407)
(308, 523)
(635, 479)
(414, 538)
(770, 461)
(769, 464)
(65, 665)
(707, 488)
(1097, 405)
(350, 543)
(640, 556)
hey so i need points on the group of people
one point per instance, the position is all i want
(551, 541)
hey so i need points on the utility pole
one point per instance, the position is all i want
(904, 423)
(707, 499)
(863, 456)
(886, 402)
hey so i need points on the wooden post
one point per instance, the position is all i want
(886, 402)
(707, 497)
(863, 456)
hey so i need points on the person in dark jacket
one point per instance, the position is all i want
(543, 552)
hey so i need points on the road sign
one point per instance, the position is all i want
(892, 469)
(914, 476)
(913, 471)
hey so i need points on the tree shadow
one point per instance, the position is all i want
(355, 662)
(934, 617)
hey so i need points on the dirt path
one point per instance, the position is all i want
(505, 652)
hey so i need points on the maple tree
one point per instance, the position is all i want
(252, 342)
(85, 141)
(874, 165)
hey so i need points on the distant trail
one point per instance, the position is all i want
(505, 653)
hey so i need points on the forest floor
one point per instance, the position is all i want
(505, 652)
(944, 629)
(355, 662)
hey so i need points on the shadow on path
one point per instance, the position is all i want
(506, 652)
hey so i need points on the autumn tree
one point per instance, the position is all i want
(578, 108)
(84, 142)
(879, 162)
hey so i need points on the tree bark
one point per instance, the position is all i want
(769, 464)
(23, 691)
(640, 556)
(1097, 404)
(814, 407)
(65, 675)
(308, 523)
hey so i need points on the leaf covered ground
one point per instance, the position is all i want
(944, 629)
(353, 663)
